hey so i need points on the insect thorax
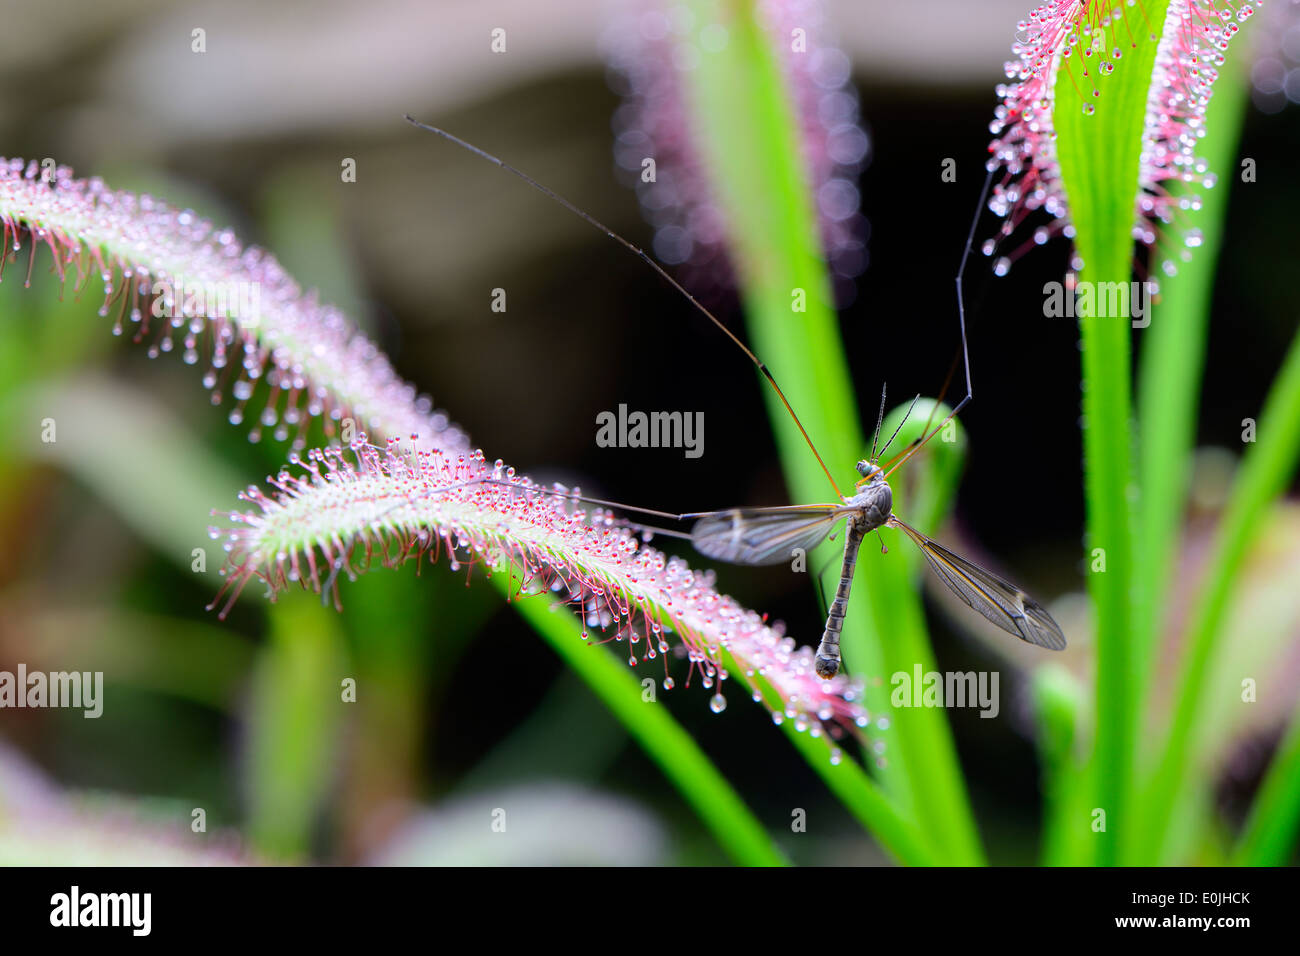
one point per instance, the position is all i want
(876, 501)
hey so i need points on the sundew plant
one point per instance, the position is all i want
(1113, 133)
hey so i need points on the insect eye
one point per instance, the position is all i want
(865, 468)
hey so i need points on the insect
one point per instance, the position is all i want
(762, 536)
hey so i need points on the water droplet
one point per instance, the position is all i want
(717, 703)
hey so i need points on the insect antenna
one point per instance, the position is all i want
(920, 442)
(640, 253)
(880, 420)
(906, 416)
(943, 393)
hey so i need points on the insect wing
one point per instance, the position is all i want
(762, 535)
(1000, 601)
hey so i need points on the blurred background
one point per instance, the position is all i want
(464, 705)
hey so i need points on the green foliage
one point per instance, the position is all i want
(1099, 140)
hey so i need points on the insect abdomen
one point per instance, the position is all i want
(827, 663)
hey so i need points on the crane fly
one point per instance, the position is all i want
(760, 536)
(765, 536)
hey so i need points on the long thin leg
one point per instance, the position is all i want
(880, 420)
(918, 443)
(571, 496)
(552, 194)
(568, 495)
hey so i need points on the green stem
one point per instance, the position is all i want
(296, 712)
(1107, 480)
(1269, 837)
(862, 796)
(1265, 471)
(718, 805)
(1172, 361)
(660, 736)
(865, 800)
(1058, 701)
(1099, 142)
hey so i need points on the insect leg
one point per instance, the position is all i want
(918, 443)
(663, 274)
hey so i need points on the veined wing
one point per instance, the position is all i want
(1000, 601)
(763, 535)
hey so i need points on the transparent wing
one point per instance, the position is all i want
(762, 535)
(1000, 601)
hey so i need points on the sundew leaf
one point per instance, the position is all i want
(1105, 112)
(175, 281)
(341, 512)
(1099, 141)
(1130, 97)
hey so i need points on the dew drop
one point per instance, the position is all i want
(717, 703)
